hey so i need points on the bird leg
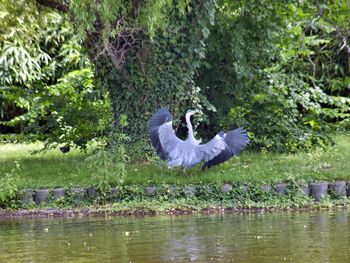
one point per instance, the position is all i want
(185, 172)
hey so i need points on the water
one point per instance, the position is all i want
(272, 237)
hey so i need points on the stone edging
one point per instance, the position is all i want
(316, 190)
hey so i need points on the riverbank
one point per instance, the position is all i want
(147, 208)
(173, 200)
(54, 180)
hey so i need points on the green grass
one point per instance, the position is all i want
(53, 169)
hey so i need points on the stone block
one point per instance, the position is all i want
(115, 191)
(226, 188)
(78, 194)
(305, 188)
(150, 190)
(28, 196)
(318, 190)
(58, 193)
(265, 188)
(92, 193)
(114, 195)
(281, 188)
(41, 196)
(338, 189)
(190, 191)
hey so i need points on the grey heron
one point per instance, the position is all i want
(190, 152)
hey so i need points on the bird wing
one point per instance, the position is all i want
(235, 142)
(167, 137)
(161, 133)
(208, 151)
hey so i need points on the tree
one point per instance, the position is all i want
(46, 78)
(279, 66)
(147, 54)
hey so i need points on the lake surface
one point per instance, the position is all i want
(270, 237)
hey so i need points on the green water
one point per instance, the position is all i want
(272, 237)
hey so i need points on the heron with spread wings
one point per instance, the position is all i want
(189, 152)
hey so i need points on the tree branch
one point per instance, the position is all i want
(310, 60)
(55, 4)
(342, 36)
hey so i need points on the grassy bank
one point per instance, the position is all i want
(232, 202)
(53, 169)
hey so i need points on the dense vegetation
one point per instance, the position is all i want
(69, 72)
(47, 83)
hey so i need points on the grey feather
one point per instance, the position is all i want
(167, 137)
(236, 141)
(189, 152)
(159, 118)
(211, 149)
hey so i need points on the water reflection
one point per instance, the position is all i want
(274, 237)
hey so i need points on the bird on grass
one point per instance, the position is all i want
(190, 152)
(65, 148)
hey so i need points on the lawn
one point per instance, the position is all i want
(53, 168)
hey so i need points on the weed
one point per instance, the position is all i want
(9, 187)
(109, 162)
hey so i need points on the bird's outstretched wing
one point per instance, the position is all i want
(161, 132)
(235, 142)
(209, 150)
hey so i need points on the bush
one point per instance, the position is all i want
(9, 188)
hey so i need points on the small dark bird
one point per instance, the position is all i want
(65, 148)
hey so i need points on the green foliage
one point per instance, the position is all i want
(255, 66)
(117, 16)
(278, 68)
(47, 79)
(277, 80)
(101, 162)
(109, 163)
(72, 111)
(21, 29)
(149, 57)
(9, 187)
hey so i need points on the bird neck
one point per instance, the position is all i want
(190, 128)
